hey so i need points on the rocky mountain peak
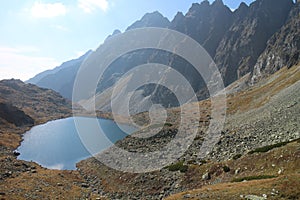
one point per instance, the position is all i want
(178, 23)
(197, 8)
(206, 23)
(203, 3)
(218, 3)
(241, 11)
(207, 10)
(117, 31)
(243, 6)
(178, 16)
(154, 19)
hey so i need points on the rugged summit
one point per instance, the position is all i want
(154, 19)
(205, 23)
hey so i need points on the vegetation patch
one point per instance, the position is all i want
(191, 162)
(203, 161)
(250, 178)
(226, 169)
(268, 148)
(179, 166)
(168, 124)
(198, 138)
(237, 156)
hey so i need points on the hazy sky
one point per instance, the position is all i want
(40, 34)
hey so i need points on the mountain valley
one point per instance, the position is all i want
(257, 51)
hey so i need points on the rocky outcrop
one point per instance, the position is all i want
(20, 103)
(14, 116)
(283, 48)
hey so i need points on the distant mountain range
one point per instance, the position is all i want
(61, 78)
(258, 39)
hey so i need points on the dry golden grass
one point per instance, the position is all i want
(286, 159)
(260, 94)
(10, 140)
(283, 187)
(45, 184)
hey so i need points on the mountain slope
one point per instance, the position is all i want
(11, 114)
(31, 102)
(237, 41)
(283, 48)
(235, 38)
(259, 119)
(247, 37)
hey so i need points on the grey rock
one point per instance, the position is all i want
(206, 176)
(254, 197)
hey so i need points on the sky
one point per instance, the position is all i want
(36, 35)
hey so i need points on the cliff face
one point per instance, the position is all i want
(247, 37)
(205, 23)
(283, 49)
(234, 39)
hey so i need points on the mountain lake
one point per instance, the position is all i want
(58, 144)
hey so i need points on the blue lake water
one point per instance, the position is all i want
(59, 145)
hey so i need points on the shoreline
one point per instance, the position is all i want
(73, 121)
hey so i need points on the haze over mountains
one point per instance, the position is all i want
(61, 78)
(259, 39)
